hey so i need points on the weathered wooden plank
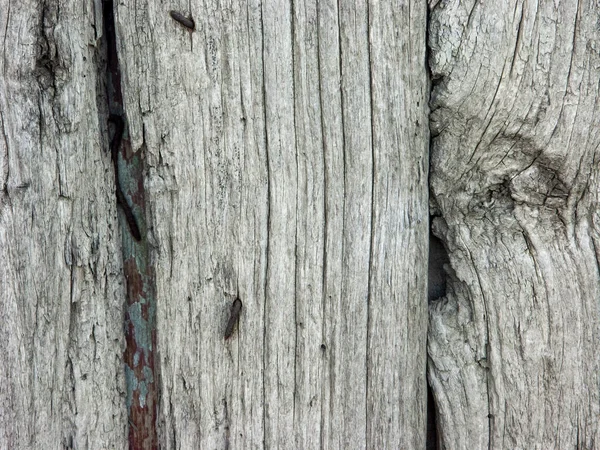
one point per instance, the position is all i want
(262, 181)
(396, 385)
(61, 283)
(513, 346)
(204, 133)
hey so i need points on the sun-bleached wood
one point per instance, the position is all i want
(285, 148)
(286, 153)
(61, 282)
(513, 347)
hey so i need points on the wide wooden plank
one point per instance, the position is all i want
(266, 179)
(513, 346)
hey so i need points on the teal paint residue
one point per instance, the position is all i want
(142, 329)
(148, 375)
(132, 384)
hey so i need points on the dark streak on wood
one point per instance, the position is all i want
(236, 308)
(142, 396)
(187, 22)
(115, 144)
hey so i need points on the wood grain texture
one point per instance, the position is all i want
(514, 345)
(399, 235)
(61, 283)
(286, 151)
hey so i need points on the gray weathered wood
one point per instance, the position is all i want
(513, 347)
(61, 284)
(286, 148)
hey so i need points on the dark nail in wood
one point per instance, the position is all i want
(187, 22)
(131, 221)
(236, 308)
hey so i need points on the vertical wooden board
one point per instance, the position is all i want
(260, 178)
(514, 175)
(61, 291)
(204, 135)
(396, 360)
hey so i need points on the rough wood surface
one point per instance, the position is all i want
(513, 347)
(286, 153)
(61, 284)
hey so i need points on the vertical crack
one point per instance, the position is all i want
(438, 255)
(436, 289)
(140, 315)
(432, 433)
(436, 275)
